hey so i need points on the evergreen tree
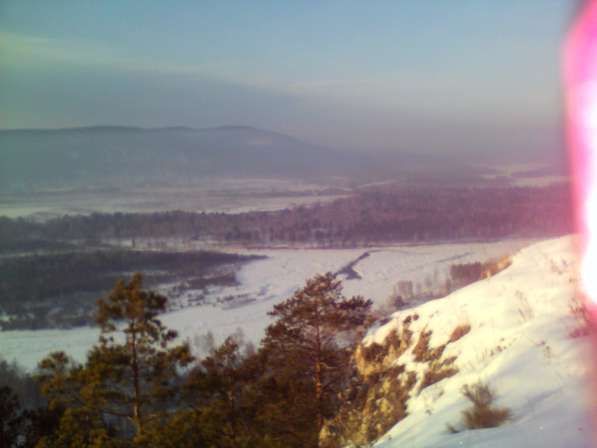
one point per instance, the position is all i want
(129, 381)
(11, 420)
(228, 400)
(308, 349)
(40, 423)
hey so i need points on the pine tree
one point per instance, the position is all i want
(11, 419)
(309, 347)
(40, 423)
(228, 400)
(130, 378)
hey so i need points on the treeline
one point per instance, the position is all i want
(406, 292)
(369, 217)
(59, 290)
(466, 273)
(139, 388)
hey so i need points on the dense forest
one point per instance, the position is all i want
(370, 217)
(58, 290)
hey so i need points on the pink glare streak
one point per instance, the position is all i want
(580, 75)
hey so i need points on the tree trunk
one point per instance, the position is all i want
(319, 395)
(318, 378)
(137, 418)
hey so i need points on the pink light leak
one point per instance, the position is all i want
(580, 77)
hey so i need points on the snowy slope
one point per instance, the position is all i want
(519, 344)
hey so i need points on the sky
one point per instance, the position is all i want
(418, 76)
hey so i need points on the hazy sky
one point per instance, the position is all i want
(419, 75)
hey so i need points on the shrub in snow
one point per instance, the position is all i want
(423, 352)
(437, 371)
(459, 332)
(373, 404)
(377, 394)
(581, 314)
(483, 413)
(394, 345)
(491, 268)
(381, 385)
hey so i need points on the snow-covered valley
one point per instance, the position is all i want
(523, 340)
(265, 282)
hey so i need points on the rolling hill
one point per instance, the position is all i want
(118, 156)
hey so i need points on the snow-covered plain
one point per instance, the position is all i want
(266, 282)
(226, 195)
(520, 345)
(520, 340)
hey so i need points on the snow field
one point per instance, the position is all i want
(268, 282)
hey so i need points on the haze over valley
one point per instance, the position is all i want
(50, 173)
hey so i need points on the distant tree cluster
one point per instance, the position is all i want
(138, 387)
(34, 287)
(365, 218)
(466, 273)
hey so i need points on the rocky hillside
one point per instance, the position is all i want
(516, 342)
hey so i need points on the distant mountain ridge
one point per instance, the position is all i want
(109, 127)
(125, 155)
(119, 154)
